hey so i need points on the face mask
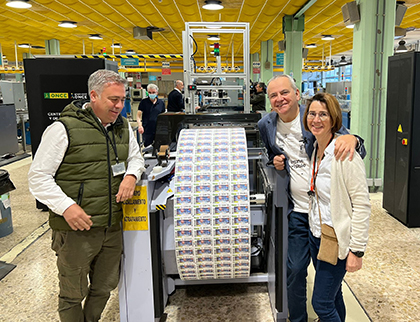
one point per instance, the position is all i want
(152, 96)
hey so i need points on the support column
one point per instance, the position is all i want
(52, 47)
(254, 57)
(373, 39)
(293, 35)
(266, 65)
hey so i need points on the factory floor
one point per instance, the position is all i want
(386, 289)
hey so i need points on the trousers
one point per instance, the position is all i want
(298, 259)
(88, 265)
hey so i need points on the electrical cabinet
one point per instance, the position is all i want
(402, 145)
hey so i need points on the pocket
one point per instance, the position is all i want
(58, 240)
(80, 194)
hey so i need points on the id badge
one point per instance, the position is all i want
(118, 168)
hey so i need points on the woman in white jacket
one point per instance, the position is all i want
(339, 199)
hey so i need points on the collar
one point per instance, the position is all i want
(178, 90)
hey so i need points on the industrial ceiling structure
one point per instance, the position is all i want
(164, 20)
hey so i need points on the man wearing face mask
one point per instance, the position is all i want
(147, 114)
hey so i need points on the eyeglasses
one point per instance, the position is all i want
(323, 116)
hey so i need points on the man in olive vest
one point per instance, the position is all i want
(87, 164)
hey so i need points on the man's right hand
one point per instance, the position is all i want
(141, 129)
(278, 162)
(77, 218)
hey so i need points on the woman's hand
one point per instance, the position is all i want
(353, 263)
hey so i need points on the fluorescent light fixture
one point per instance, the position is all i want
(311, 46)
(19, 4)
(116, 45)
(350, 26)
(95, 36)
(130, 52)
(213, 5)
(213, 37)
(67, 24)
(343, 60)
(401, 48)
(24, 46)
(212, 53)
(37, 47)
(327, 37)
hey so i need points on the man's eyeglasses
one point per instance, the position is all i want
(323, 116)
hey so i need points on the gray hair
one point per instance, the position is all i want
(178, 82)
(152, 86)
(103, 77)
(291, 80)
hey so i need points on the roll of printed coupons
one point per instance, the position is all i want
(211, 208)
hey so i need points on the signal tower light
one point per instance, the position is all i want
(216, 49)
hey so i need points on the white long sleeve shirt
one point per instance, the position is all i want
(48, 158)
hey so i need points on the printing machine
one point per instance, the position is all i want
(149, 271)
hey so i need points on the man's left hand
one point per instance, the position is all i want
(353, 263)
(345, 145)
(127, 187)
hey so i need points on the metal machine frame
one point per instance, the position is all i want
(192, 28)
(148, 272)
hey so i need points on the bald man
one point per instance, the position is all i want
(175, 99)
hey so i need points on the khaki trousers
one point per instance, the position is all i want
(88, 265)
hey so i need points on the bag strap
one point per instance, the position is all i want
(319, 209)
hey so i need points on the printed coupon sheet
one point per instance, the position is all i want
(211, 208)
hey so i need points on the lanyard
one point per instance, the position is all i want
(113, 144)
(315, 173)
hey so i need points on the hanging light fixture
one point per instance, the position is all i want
(213, 37)
(24, 46)
(116, 45)
(327, 37)
(343, 60)
(67, 24)
(311, 46)
(130, 52)
(19, 4)
(401, 48)
(95, 36)
(213, 5)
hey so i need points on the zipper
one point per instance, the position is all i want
(80, 194)
(109, 184)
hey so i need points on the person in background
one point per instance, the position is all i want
(149, 109)
(258, 99)
(175, 99)
(340, 197)
(289, 147)
(87, 164)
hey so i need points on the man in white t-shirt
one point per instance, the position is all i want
(289, 147)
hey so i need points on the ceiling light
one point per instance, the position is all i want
(343, 60)
(212, 53)
(116, 45)
(213, 37)
(327, 37)
(311, 46)
(213, 5)
(37, 47)
(19, 4)
(67, 24)
(95, 36)
(24, 45)
(401, 48)
(350, 26)
(130, 52)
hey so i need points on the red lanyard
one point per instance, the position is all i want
(315, 173)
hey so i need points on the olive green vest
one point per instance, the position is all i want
(85, 174)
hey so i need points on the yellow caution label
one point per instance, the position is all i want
(56, 95)
(399, 128)
(161, 207)
(170, 190)
(135, 211)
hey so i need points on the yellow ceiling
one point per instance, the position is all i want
(115, 19)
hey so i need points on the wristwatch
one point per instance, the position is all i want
(358, 253)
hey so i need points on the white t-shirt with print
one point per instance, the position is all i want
(290, 139)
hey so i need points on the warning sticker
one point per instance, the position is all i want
(400, 128)
(135, 210)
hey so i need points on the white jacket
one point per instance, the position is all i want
(350, 205)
